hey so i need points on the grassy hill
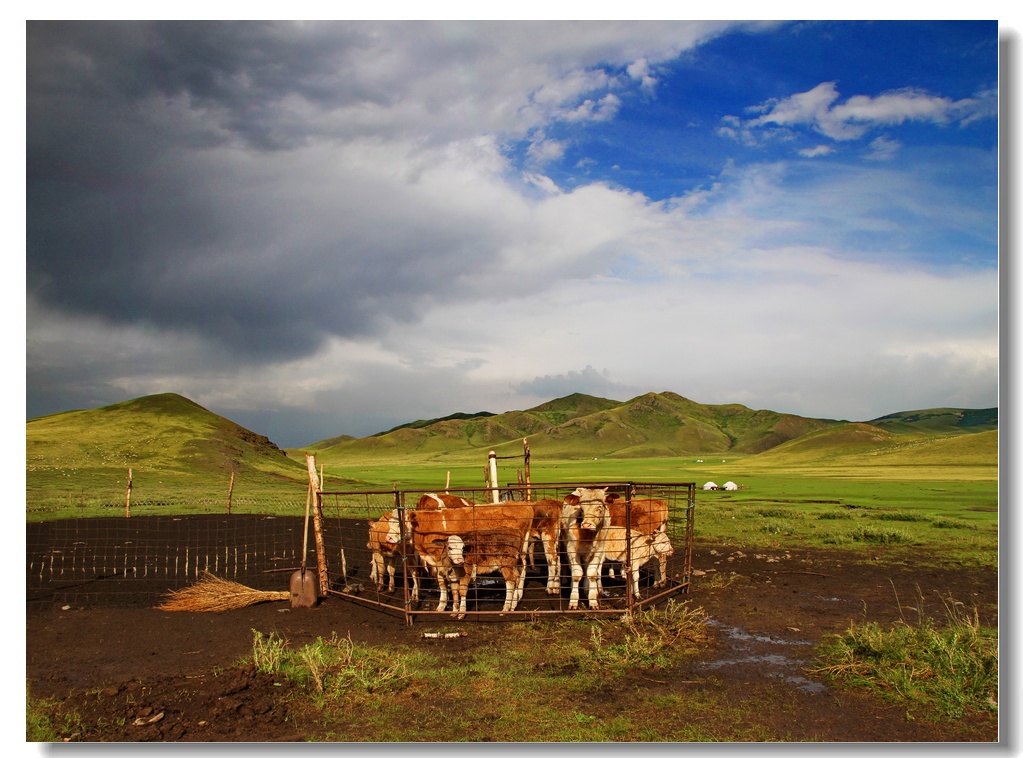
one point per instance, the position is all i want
(169, 442)
(582, 426)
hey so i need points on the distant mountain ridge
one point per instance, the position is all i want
(180, 433)
(650, 425)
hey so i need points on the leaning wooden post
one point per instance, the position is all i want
(127, 497)
(230, 493)
(525, 465)
(321, 552)
(496, 498)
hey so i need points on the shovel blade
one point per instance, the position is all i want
(304, 590)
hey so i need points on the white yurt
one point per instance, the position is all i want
(710, 486)
(729, 486)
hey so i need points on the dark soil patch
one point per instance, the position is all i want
(148, 675)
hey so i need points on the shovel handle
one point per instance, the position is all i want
(305, 529)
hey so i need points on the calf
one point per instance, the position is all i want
(584, 522)
(546, 528)
(469, 520)
(635, 552)
(388, 546)
(490, 550)
(648, 516)
(441, 554)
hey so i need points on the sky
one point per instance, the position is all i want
(318, 229)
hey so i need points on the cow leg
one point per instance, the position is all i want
(593, 583)
(373, 572)
(553, 566)
(458, 606)
(390, 574)
(442, 585)
(414, 573)
(577, 575)
(520, 585)
(662, 569)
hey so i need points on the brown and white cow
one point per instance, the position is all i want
(648, 516)
(438, 501)
(441, 554)
(495, 549)
(546, 529)
(637, 551)
(388, 546)
(584, 522)
(466, 522)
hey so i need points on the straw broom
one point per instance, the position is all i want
(213, 595)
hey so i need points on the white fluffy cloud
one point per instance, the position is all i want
(819, 108)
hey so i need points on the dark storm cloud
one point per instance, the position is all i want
(163, 190)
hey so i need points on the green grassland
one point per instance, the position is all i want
(911, 481)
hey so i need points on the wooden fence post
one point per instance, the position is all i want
(321, 552)
(525, 465)
(127, 497)
(496, 496)
(230, 492)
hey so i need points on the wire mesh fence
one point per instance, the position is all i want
(508, 571)
(163, 546)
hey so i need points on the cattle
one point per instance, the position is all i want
(584, 522)
(546, 529)
(637, 552)
(441, 554)
(467, 521)
(438, 501)
(490, 550)
(642, 516)
(388, 546)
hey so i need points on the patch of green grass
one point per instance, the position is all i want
(512, 688)
(948, 668)
(46, 721)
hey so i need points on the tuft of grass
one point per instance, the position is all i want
(332, 667)
(949, 668)
(876, 536)
(268, 652)
(46, 722)
(650, 639)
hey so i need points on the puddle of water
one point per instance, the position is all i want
(734, 633)
(747, 649)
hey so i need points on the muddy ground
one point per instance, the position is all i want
(150, 675)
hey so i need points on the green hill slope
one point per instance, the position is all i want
(162, 438)
(864, 446)
(940, 421)
(582, 426)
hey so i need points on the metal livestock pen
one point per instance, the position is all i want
(342, 520)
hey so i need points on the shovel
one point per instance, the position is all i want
(304, 590)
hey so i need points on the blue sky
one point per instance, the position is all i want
(318, 229)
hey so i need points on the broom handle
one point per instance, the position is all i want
(305, 530)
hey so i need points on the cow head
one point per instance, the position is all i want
(456, 550)
(393, 529)
(662, 544)
(591, 506)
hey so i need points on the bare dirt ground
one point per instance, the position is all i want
(149, 675)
